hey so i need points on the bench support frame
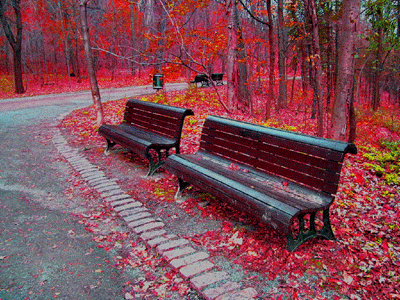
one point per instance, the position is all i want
(305, 235)
(155, 164)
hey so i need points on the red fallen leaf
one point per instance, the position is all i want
(233, 167)
(285, 183)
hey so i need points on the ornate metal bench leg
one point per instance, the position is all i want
(154, 166)
(109, 146)
(182, 186)
(304, 235)
(326, 231)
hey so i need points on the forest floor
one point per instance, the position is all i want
(364, 261)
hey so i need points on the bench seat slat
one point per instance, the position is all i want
(265, 207)
(119, 136)
(154, 123)
(289, 193)
(252, 154)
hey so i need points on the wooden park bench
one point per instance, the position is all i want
(148, 129)
(204, 79)
(217, 77)
(274, 175)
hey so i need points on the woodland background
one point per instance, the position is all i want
(334, 53)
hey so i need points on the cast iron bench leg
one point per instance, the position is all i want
(153, 165)
(109, 146)
(305, 235)
(182, 186)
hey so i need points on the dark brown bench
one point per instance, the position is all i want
(274, 175)
(202, 79)
(217, 77)
(148, 129)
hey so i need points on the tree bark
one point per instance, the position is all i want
(15, 41)
(231, 64)
(348, 27)
(90, 65)
(244, 94)
(282, 98)
(317, 65)
(271, 77)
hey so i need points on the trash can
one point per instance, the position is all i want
(158, 81)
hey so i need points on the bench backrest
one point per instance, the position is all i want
(308, 160)
(157, 118)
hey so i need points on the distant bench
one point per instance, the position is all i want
(204, 80)
(271, 174)
(148, 127)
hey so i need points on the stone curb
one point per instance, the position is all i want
(192, 265)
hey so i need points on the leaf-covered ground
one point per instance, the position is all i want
(364, 261)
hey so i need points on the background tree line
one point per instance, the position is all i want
(344, 51)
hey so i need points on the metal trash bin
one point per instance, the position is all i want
(158, 81)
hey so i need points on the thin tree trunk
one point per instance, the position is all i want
(271, 77)
(345, 75)
(244, 94)
(231, 67)
(316, 59)
(89, 59)
(15, 42)
(282, 98)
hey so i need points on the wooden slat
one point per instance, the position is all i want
(159, 120)
(311, 170)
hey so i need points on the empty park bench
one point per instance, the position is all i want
(204, 79)
(148, 129)
(273, 175)
(217, 77)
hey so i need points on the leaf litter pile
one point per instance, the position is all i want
(363, 263)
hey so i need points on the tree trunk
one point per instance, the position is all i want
(317, 65)
(282, 98)
(231, 65)
(89, 59)
(271, 78)
(244, 94)
(345, 75)
(15, 41)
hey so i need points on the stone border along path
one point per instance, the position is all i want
(193, 265)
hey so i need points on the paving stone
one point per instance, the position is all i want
(196, 268)
(213, 293)
(133, 211)
(108, 188)
(204, 280)
(140, 222)
(245, 294)
(87, 170)
(161, 239)
(137, 216)
(96, 178)
(105, 183)
(172, 244)
(148, 227)
(112, 193)
(152, 234)
(122, 201)
(118, 197)
(187, 260)
(178, 252)
(128, 206)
